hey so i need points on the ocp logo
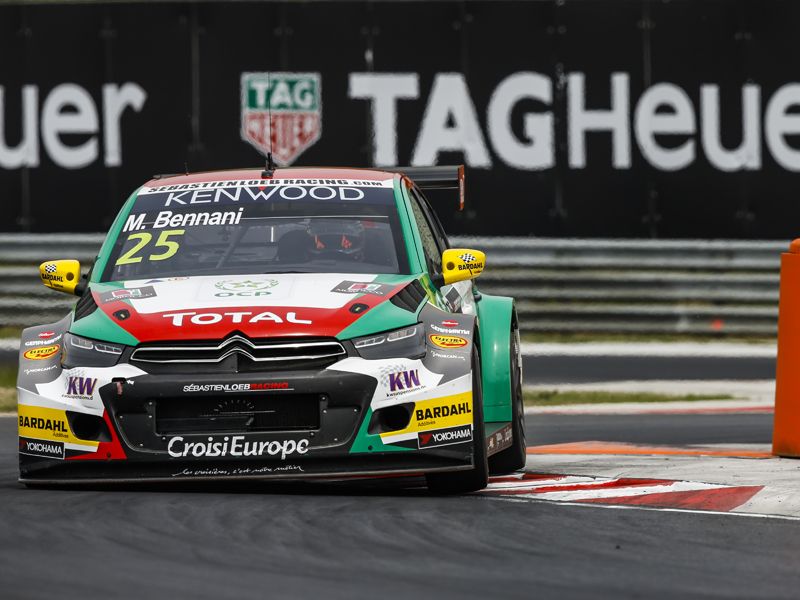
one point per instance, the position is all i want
(284, 108)
(246, 287)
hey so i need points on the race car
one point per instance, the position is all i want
(290, 323)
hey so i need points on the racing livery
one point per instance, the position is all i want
(291, 323)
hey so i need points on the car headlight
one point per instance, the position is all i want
(83, 352)
(408, 342)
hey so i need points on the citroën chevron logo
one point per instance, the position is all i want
(295, 103)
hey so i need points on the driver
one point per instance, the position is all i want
(337, 239)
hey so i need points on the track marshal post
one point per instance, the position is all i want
(786, 431)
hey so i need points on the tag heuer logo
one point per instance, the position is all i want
(295, 100)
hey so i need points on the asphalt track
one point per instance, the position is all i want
(272, 541)
(663, 429)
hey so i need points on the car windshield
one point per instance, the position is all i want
(260, 226)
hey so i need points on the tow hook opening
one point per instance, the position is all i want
(88, 427)
(391, 418)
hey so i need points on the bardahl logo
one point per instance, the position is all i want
(281, 113)
(55, 426)
(439, 412)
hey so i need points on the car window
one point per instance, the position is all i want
(233, 228)
(435, 223)
(430, 245)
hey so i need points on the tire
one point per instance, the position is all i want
(513, 458)
(462, 482)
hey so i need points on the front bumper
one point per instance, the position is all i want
(146, 438)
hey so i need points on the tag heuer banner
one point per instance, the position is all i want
(573, 119)
(281, 113)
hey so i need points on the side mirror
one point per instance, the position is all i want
(459, 264)
(61, 275)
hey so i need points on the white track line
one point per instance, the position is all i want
(633, 507)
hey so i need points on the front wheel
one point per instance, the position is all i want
(513, 458)
(462, 482)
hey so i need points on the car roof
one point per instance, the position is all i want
(280, 173)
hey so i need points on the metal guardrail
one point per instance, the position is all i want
(561, 285)
(716, 287)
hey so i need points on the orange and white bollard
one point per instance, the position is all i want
(786, 431)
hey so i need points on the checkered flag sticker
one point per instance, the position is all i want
(50, 268)
(466, 257)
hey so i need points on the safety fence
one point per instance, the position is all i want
(720, 287)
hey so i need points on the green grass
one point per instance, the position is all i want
(557, 398)
(8, 399)
(8, 391)
(8, 377)
(10, 332)
(576, 338)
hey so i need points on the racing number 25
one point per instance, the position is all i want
(145, 238)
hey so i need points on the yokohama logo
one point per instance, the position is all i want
(445, 437)
(45, 449)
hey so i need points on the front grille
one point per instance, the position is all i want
(237, 413)
(272, 353)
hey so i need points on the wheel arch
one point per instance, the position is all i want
(495, 315)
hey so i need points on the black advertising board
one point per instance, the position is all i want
(577, 118)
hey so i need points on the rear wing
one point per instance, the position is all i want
(437, 178)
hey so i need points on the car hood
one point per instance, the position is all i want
(180, 308)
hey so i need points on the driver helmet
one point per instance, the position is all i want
(337, 237)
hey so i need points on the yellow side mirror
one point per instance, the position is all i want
(459, 264)
(61, 275)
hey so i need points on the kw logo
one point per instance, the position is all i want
(403, 380)
(82, 387)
